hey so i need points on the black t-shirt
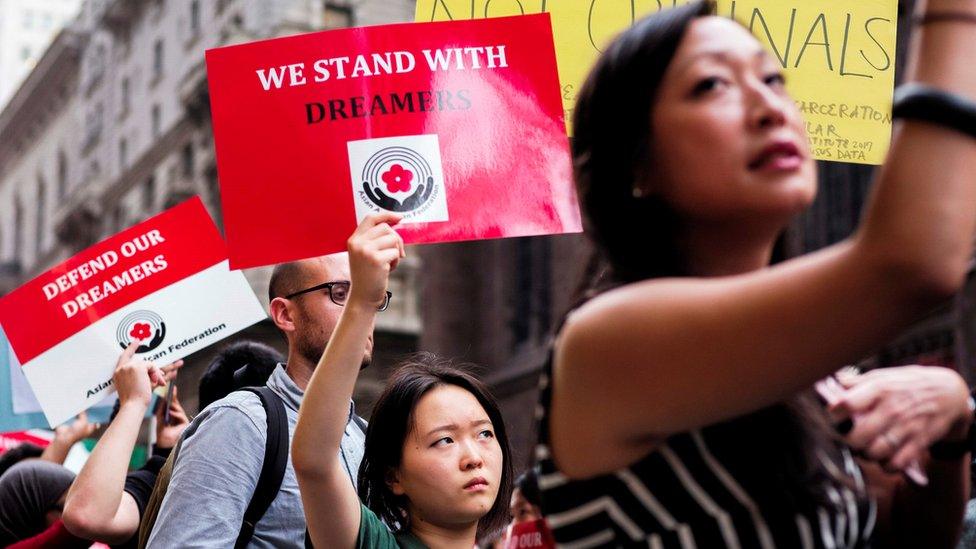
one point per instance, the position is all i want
(139, 484)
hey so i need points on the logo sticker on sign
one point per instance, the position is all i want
(399, 174)
(146, 327)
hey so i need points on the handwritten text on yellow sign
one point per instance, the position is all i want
(838, 55)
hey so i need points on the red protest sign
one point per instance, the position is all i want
(9, 441)
(456, 125)
(164, 283)
(535, 533)
(107, 276)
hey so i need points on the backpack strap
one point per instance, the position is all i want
(151, 510)
(275, 463)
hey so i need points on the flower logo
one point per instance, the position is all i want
(141, 331)
(397, 179)
(145, 327)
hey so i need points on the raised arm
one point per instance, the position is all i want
(664, 356)
(97, 508)
(65, 436)
(332, 507)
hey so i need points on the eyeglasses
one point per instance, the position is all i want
(339, 293)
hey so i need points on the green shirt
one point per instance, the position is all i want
(373, 534)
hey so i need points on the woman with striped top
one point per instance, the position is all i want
(678, 407)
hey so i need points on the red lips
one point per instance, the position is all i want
(779, 152)
(477, 481)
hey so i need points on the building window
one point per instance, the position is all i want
(125, 95)
(123, 154)
(39, 227)
(96, 59)
(188, 161)
(18, 230)
(158, 59)
(62, 174)
(156, 120)
(194, 17)
(149, 194)
(337, 15)
(522, 319)
(93, 126)
(118, 219)
(532, 279)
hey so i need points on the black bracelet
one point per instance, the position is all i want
(944, 17)
(956, 449)
(928, 104)
(950, 450)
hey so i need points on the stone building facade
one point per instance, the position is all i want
(26, 29)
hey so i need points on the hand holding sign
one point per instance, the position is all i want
(135, 378)
(375, 249)
(457, 127)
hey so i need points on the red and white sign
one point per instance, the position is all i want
(164, 283)
(37, 437)
(535, 533)
(456, 125)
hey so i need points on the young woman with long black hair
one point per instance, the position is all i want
(678, 409)
(437, 467)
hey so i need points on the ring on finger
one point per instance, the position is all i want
(892, 441)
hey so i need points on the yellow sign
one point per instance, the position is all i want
(839, 56)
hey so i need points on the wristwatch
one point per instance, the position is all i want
(956, 449)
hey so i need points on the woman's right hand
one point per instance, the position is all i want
(375, 249)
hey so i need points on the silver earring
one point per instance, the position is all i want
(637, 192)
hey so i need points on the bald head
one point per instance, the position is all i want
(295, 276)
(286, 279)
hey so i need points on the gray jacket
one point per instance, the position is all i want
(218, 468)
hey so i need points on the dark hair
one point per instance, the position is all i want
(612, 142)
(285, 279)
(528, 484)
(489, 539)
(241, 364)
(391, 422)
(17, 454)
(611, 153)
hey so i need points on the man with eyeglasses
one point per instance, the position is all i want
(222, 452)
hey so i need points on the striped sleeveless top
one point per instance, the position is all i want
(708, 488)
